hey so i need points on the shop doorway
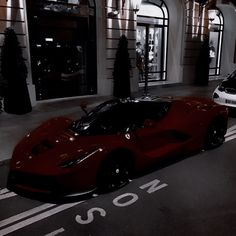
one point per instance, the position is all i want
(151, 42)
(63, 47)
(152, 34)
(216, 26)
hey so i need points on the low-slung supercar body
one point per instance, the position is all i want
(111, 143)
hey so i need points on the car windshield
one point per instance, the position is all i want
(83, 125)
(114, 117)
(232, 76)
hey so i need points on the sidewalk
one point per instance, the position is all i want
(14, 127)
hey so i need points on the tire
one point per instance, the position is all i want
(215, 134)
(114, 173)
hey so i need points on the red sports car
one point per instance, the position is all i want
(117, 139)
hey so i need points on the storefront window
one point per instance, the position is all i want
(215, 40)
(151, 41)
(62, 46)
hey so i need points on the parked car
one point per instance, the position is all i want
(225, 93)
(114, 141)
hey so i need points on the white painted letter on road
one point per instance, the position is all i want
(90, 218)
(134, 198)
(153, 186)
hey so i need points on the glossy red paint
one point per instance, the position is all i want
(55, 159)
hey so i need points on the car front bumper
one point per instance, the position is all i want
(224, 98)
(31, 185)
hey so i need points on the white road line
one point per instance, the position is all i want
(25, 214)
(231, 128)
(230, 138)
(230, 133)
(36, 218)
(56, 232)
(3, 190)
(7, 195)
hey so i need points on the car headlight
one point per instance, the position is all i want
(73, 162)
(215, 96)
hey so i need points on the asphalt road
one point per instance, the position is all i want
(190, 196)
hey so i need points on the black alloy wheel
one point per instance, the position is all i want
(215, 135)
(114, 174)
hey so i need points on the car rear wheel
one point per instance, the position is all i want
(215, 134)
(114, 174)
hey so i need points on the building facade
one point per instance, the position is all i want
(70, 45)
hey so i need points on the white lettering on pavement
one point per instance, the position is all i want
(134, 198)
(121, 201)
(90, 216)
(153, 186)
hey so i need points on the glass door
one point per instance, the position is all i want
(149, 52)
(154, 52)
(63, 50)
(216, 26)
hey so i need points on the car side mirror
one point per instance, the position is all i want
(148, 123)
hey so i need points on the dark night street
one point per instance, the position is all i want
(188, 196)
(193, 196)
(117, 118)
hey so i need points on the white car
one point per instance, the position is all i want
(225, 93)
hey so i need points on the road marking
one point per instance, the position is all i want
(7, 195)
(25, 214)
(37, 218)
(3, 190)
(56, 232)
(230, 138)
(230, 133)
(231, 128)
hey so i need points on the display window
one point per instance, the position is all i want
(62, 47)
(216, 25)
(151, 41)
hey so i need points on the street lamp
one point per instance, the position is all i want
(135, 5)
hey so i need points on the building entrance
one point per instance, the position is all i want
(63, 48)
(151, 41)
(216, 25)
(149, 55)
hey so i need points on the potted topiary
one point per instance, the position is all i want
(202, 64)
(14, 73)
(122, 67)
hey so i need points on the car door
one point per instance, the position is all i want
(156, 138)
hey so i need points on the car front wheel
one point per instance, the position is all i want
(114, 174)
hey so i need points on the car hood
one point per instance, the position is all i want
(50, 144)
(229, 83)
